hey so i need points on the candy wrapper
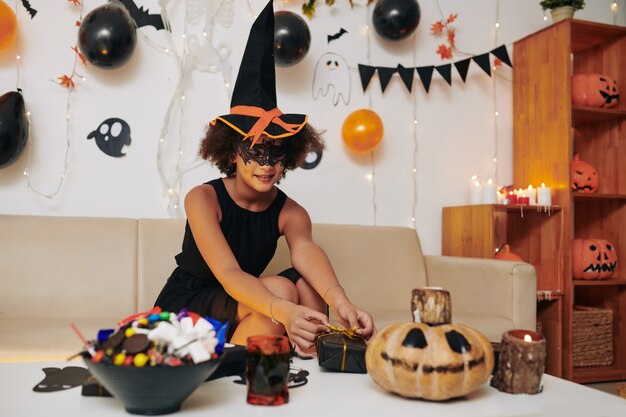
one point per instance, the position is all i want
(158, 337)
(342, 350)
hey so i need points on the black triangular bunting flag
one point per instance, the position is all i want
(446, 72)
(406, 74)
(462, 67)
(366, 72)
(483, 63)
(501, 53)
(426, 75)
(384, 75)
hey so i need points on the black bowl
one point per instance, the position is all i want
(152, 390)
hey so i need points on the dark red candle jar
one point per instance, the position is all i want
(267, 369)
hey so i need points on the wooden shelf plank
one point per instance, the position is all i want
(588, 282)
(596, 196)
(586, 115)
(598, 374)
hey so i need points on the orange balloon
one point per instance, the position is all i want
(362, 131)
(8, 26)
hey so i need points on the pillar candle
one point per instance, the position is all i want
(544, 197)
(475, 191)
(532, 195)
(489, 193)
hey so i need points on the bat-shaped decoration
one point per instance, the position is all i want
(143, 17)
(58, 379)
(337, 35)
(32, 12)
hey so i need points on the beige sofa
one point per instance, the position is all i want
(94, 271)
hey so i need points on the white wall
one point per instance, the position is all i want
(455, 135)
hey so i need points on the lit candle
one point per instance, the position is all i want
(489, 194)
(544, 197)
(512, 197)
(475, 190)
(521, 362)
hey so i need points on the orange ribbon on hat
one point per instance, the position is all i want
(265, 118)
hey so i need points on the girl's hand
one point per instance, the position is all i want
(303, 325)
(352, 317)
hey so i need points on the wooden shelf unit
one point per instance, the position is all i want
(548, 130)
(534, 233)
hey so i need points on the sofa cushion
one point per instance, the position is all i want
(159, 240)
(67, 267)
(377, 265)
(46, 339)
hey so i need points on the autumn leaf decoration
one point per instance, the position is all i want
(438, 29)
(66, 81)
(75, 2)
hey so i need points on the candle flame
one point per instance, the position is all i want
(543, 185)
(527, 338)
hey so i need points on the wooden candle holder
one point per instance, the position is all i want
(521, 364)
(431, 305)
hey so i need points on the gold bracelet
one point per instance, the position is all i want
(330, 288)
(272, 314)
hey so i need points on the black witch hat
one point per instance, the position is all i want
(253, 108)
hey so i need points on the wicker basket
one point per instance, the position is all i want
(592, 336)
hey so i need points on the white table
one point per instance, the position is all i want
(326, 394)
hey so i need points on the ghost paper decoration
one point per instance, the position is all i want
(111, 136)
(332, 72)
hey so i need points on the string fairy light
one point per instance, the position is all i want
(372, 176)
(494, 90)
(67, 82)
(186, 62)
(414, 169)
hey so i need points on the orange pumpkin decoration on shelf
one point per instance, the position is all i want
(505, 254)
(416, 360)
(584, 176)
(593, 259)
(594, 90)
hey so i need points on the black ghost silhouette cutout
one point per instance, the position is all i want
(111, 136)
(57, 379)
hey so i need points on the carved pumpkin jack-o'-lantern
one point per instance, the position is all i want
(416, 360)
(594, 90)
(584, 176)
(593, 259)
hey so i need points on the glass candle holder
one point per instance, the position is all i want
(267, 369)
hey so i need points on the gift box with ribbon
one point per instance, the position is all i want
(342, 350)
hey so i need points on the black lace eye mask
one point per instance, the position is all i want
(263, 153)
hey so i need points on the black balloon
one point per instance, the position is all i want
(396, 19)
(13, 127)
(292, 38)
(107, 36)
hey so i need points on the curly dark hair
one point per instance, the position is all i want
(219, 147)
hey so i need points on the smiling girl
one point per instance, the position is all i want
(233, 223)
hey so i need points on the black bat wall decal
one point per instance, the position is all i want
(32, 12)
(337, 35)
(142, 16)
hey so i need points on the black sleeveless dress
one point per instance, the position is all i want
(252, 236)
